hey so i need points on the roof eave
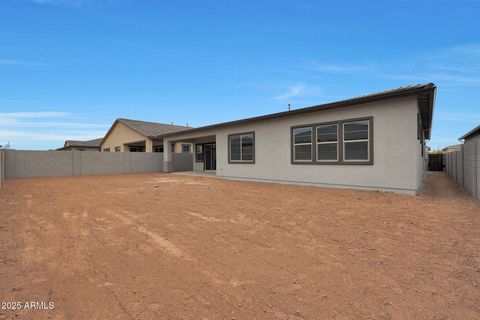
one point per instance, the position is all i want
(429, 89)
(469, 133)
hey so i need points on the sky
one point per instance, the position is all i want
(69, 68)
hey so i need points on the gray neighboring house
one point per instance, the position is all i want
(472, 135)
(89, 145)
(373, 142)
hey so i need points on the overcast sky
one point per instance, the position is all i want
(68, 68)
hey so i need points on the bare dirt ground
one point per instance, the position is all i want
(156, 246)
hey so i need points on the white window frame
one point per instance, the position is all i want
(327, 142)
(359, 140)
(303, 144)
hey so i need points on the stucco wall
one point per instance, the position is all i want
(178, 147)
(396, 149)
(120, 135)
(398, 165)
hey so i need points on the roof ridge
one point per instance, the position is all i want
(154, 122)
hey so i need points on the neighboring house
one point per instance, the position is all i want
(453, 148)
(472, 135)
(374, 142)
(90, 145)
(127, 135)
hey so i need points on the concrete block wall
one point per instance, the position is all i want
(464, 167)
(471, 162)
(477, 147)
(182, 162)
(31, 164)
(2, 168)
(459, 162)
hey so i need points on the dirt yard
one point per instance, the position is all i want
(156, 246)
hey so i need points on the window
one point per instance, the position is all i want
(158, 149)
(327, 142)
(185, 148)
(241, 147)
(137, 149)
(337, 142)
(302, 144)
(117, 149)
(106, 149)
(199, 152)
(356, 146)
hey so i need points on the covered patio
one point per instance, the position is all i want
(204, 150)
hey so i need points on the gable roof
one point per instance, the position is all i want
(470, 133)
(425, 96)
(95, 143)
(146, 128)
(151, 129)
(453, 147)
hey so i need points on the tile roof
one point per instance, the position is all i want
(89, 143)
(151, 129)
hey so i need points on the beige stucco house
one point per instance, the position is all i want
(371, 142)
(452, 148)
(126, 135)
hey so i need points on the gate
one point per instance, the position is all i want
(435, 162)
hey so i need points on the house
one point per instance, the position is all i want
(453, 148)
(470, 136)
(371, 142)
(126, 135)
(90, 145)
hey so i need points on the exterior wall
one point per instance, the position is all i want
(464, 166)
(459, 161)
(398, 165)
(182, 162)
(31, 164)
(470, 165)
(197, 166)
(421, 164)
(120, 135)
(178, 147)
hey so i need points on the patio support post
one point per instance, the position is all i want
(148, 145)
(167, 156)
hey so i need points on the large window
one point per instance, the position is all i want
(106, 149)
(199, 153)
(302, 144)
(327, 142)
(356, 136)
(117, 149)
(337, 142)
(241, 147)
